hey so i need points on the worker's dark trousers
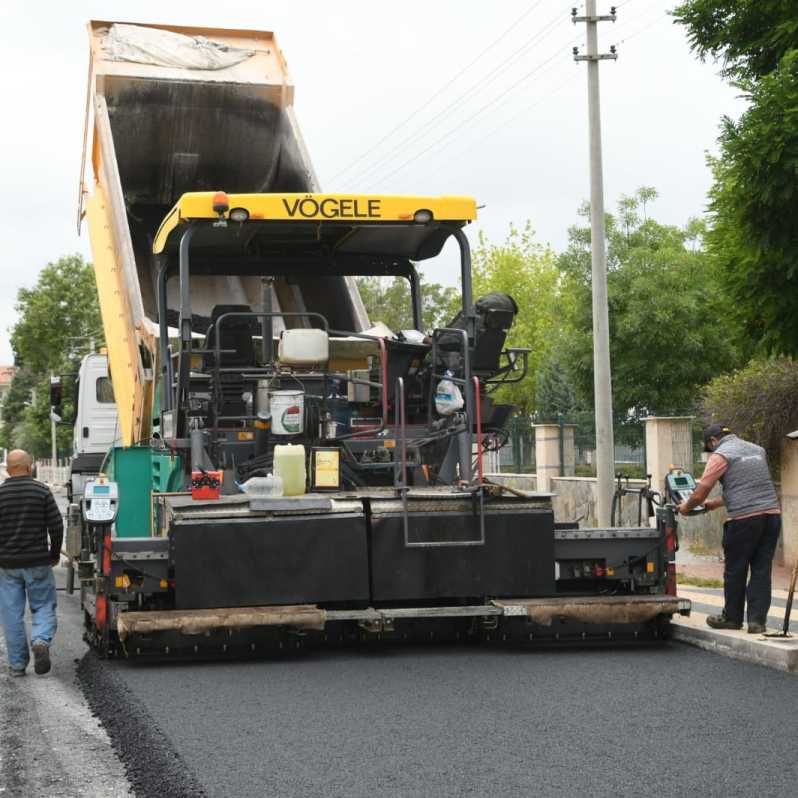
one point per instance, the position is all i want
(749, 543)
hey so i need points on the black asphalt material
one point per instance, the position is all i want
(152, 766)
(462, 721)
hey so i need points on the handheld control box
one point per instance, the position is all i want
(679, 486)
(100, 502)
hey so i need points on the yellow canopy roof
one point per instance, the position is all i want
(352, 210)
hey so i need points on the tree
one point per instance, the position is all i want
(669, 327)
(754, 199)
(389, 301)
(750, 38)
(759, 402)
(56, 316)
(554, 394)
(527, 271)
(57, 319)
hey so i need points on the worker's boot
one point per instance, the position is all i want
(722, 622)
(757, 628)
(41, 657)
(16, 671)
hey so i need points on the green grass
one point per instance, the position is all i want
(698, 581)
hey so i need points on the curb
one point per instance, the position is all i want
(782, 656)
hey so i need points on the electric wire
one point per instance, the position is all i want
(492, 75)
(438, 93)
(526, 108)
(477, 113)
(644, 28)
(493, 131)
(469, 93)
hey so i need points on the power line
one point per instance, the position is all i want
(571, 79)
(470, 92)
(644, 28)
(493, 131)
(440, 91)
(476, 113)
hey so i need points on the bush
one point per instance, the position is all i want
(759, 402)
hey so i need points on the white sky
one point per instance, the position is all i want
(364, 70)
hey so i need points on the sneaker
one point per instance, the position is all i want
(16, 671)
(757, 628)
(722, 622)
(41, 657)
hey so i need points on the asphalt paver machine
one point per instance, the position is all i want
(238, 344)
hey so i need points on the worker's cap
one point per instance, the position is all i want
(714, 431)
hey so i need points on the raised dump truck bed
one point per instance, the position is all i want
(173, 109)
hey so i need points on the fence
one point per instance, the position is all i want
(53, 473)
(518, 456)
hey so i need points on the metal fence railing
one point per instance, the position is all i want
(518, 455)
(52, 473)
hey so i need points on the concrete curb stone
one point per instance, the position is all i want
(772, 653)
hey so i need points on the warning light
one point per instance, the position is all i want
(221, 203)
(649, 567)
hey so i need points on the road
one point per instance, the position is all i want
(416, 721)
(50, 744)
(401, 721)
(468, 721)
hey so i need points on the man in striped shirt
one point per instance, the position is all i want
(31, 531)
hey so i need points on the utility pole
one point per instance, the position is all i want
(53, 440)
(602, 380)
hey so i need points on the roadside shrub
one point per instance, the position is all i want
(759, 402)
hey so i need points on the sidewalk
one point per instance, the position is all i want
(711, 567)
(781, 654)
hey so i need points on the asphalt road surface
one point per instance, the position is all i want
(401, 721)
(462, 721)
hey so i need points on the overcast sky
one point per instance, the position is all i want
(463, 113)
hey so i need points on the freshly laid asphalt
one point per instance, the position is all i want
(466, 721)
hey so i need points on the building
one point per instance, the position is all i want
(6, 375)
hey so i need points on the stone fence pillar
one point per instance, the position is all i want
(669, 442)
(789, 500)
(555, 453)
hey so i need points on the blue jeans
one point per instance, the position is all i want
(39, 585)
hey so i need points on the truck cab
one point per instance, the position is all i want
(96, 421)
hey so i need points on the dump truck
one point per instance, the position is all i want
(238, 346)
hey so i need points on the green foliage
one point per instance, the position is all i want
(57, 317)
(528, 272)
(554, 395)
(759, 402)
(749, 36)
(754, 201)
(519, 267)
(389, 301)
(670, 331)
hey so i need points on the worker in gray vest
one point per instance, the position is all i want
(752, 531)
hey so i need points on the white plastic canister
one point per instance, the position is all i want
(289, 465)
(288, 412)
